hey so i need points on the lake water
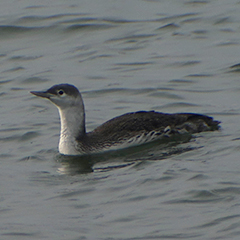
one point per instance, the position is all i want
(169, 56)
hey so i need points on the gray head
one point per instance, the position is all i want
(62, 95)
(70, 106)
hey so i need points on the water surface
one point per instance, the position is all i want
(170, 56)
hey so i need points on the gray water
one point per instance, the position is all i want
(170, 56)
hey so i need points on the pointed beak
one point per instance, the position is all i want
(41, 94)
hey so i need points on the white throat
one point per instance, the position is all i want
(72, 127)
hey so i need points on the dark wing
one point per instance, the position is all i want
(148, 121)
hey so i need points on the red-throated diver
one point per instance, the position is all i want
(123, 131)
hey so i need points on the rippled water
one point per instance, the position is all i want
(170, 56)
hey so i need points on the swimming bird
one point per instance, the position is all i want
(124, 131)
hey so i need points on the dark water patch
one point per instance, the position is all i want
(204, 91)
(112, 167)
(227, 30)
(198, 177)
(36, 7)
(28, 136)
(200, 75)
(34, 80)
(192, 20)
(39, 108)
(17, 89)
(130, 218)
(8, 29)
(82, 20)
(130, 66)
(32, 158)
(140, 165)
(203, 194)
(92, 56)
(153, 151)
(222, 20)
(133, 37)
(90, 27)
(81, 206)
(46, 178)
(184, 63)
(196, 2)
(120, 20)
(45, 152)
(5, 81)
(166, 95)
(133, 48)
(24, 58)
(166, 236)
(37, 18)
(229, 183)
(127, 91)
(84, 47)
(219, 221)
(5, 209)
(225, 113)
(178, 105)
(10, 138)
(16, 69)
(32, 19)
(228, 190)
(87, 55)
(181, 81)
(176, 150)
(73, 194)
(134, 64)
(11, 31)
(4, 155)
(111, 21)
(235, 68)
(227, 43)
(10, 129)
(20, 234)
(194, 201)
(97, 78)
(176, 17)
(3, 94)
(231, 227)
(107, 91)
(169, 26)
(200, 32)
(236, 139)
(166, 178)
(129, 69)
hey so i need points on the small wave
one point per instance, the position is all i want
(170, 26)
(179, 105)
(11, 30)
(34, 80)
(88, 26)
(4, 29)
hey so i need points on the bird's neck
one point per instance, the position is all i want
(72, 128)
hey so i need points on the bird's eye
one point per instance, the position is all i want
(60, 92)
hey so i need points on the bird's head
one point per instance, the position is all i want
(62, 95)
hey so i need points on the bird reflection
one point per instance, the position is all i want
(82, 164)
(72, 165)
